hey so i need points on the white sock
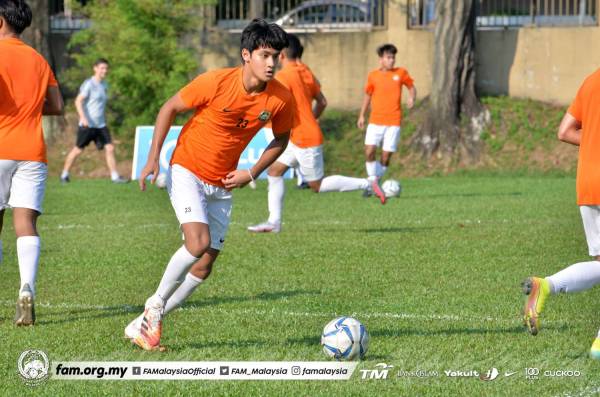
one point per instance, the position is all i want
(371, 169)
(64, 174)
(339, 183)
(28, 252)
(577, 277)
(180, 295)
(276, 194)
(114, 175)
(178, 266)
(299, 177)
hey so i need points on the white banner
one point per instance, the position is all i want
(192, 370)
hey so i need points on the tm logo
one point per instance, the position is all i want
(376, 373)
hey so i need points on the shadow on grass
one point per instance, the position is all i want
(85, 314)
(421, 196)
(402, 332)
(400, 229)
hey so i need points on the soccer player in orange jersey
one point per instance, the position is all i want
(230, 106)
(305, 149)
(580, 126)
(383, 92)
(28, 90)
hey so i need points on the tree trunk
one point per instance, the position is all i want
(37, 34)
(456, 116)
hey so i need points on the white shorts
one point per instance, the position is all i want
(590, 214)
(310, 161)
(197, 201)
(22, 184)
(386, 134)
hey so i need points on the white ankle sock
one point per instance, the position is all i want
(577, 277)
(28, 252)
(339, 183)
(371, 167)
(64, 174)
(275, 195)
(114, 175)
(178, 266)
(180, 295)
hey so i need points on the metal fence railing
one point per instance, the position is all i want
(308, 15)
(514, 13)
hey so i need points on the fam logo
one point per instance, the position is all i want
(381, 373)
(33, 367)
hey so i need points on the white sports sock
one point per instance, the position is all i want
(276, 194)
(64, 174)
(339, 183)
(180, 295)
(28, 252)
(371, 169)
(577, 277)
(178, 266)
(114, 175)
(299, 177)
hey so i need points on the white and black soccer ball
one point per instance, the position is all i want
(391, 188)
(161, 181)
(345, 338)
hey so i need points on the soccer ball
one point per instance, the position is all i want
(391, 188)
(161, 181)
(345, 338)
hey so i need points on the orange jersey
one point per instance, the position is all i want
(304, 87)
(585, 109)
(385, 89)
(24, 79)
(225, 120)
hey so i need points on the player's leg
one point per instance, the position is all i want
(188, 199)
(104, 141)
(26, 196)
(276, 191)
(577, 277)
(84, 137)
(391, 136)
(373, 140)
(1, 246)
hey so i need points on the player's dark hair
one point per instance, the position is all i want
(389, 48)
(17, 14)
(260, 34)
(100, 61)
(294, 49)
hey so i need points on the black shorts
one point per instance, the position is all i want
(100, 136)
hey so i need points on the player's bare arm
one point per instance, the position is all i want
(320, 105)
(164, 120)
(53, 105)
(79, 106)
(240, 178)
(412, 97)
(569, 130)
(363, 109)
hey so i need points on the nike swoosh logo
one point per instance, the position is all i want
(507, 374)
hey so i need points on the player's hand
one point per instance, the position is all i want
(84, 122)
(361, 122)
(237, 178)
(151, 168)
(410, 103)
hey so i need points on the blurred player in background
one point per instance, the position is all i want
(230, 106)
(305, 149)
(28, 90)
(580, 126)
(91, 105)
(383, 92)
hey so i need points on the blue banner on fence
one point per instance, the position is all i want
(143, 140)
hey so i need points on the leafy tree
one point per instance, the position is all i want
(149, 46)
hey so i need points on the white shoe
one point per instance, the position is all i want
(265, 227)
(134, 328)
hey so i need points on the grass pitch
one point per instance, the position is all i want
(433, 275)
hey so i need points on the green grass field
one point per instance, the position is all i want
(433, 275)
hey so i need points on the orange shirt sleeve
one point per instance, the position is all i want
(200, 91)
(407, 80)
(370, 86)
(575, 109)
(283, 120)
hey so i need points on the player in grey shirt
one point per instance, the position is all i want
(90, 104)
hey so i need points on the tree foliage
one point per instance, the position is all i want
(149, 46)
